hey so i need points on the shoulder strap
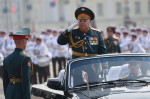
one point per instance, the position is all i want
(31, 67)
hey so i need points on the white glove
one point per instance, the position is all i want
(61, 75)
(72, 27)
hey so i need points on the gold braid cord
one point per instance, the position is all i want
(77, 44)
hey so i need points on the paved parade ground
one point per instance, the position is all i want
(1, 90)
(32, 97)
(2, 93)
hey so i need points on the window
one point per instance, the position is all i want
(118, 8)
(100, 9)
(137, 8)
(149, 6)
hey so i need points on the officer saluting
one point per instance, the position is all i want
(17, 67)
(84, 41)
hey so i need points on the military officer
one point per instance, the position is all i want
(84, 41)
(17, 68)
(112, 43)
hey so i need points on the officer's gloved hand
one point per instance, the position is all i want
(68, 30)
(72, 27)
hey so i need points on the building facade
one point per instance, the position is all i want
(42, 14)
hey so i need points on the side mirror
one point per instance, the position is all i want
(54, 83)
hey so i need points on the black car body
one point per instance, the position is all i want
(110, 76)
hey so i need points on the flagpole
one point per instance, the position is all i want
(86, 80)
(88, 87)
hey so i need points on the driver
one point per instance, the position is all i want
(133, 70)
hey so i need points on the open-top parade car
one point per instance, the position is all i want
(110, 76)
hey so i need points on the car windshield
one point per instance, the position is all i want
(109, 69)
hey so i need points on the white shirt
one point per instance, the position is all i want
(119, 72)
(42, 51)
(9, 46)
(145, 42)
(136, 47)
(124, 42)
(1, 59)
(29, 49)
(55, 48)
(49, 44)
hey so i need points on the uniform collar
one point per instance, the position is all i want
(18, 49)
(85, 30)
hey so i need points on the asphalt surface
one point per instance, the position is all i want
(32, 97)
(2, 93)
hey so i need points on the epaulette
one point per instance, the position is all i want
(75, 28)
(26, 54)
(95, 29)
(115, 37)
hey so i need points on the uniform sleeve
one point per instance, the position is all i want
(63, 38)
(141, 49)
(102, 48)
(5, 78)
(26, 69)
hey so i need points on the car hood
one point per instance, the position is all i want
(116, 93)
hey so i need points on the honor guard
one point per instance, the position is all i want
(84, 41)
(17, 68)
(112, 43)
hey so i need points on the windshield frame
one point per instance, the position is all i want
(99, 57)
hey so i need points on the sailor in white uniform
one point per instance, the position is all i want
(1, 64)
(118, 35)
(145, 40)
(49, 41)
(55, 53)
(9, 46)
(43, 59)
(124, 42)
(2, 41)
(134, 45)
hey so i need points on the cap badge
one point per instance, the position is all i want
(82, 9)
